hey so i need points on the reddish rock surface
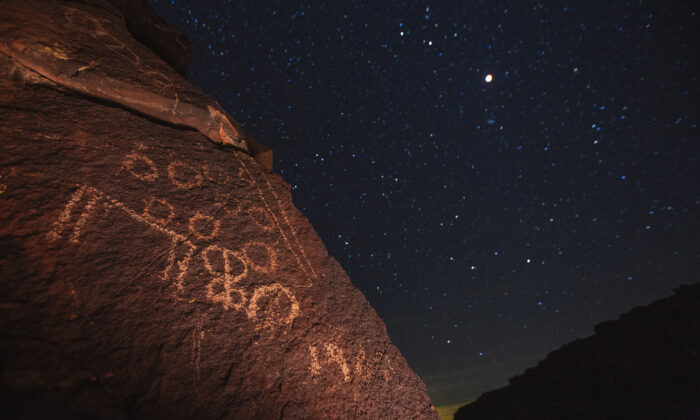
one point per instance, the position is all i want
(86, 47)
(148, 272)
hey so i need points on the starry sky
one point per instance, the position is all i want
(488, 223)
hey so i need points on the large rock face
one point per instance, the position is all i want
(148, 272)
(646, 365)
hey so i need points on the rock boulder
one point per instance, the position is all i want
(149, 272)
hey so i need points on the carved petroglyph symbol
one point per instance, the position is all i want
(275, 294)
(329, 354)
(231, 270)
(184, 176)
(200, 219)
(297, 251)
(268, 306)
(86, 212)
(159, 204)
(331, 357)
(197, 335)
(261, 218)
(86, 200)
(253, 251)
(131, 164)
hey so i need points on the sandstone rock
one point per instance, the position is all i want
(151, 30)
(148, 272)
(86, 47)
(646, 365)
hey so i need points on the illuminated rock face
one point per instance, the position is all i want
(148, 272)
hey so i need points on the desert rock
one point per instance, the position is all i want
(148, 272)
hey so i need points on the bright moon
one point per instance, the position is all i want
(488, 78)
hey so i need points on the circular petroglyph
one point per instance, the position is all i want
(159, 211)
(272, 306)
(141, 167)
(184, 176)
(199, 222)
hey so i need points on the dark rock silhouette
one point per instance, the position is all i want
(148, 272)
(151, 30)
(646, 365)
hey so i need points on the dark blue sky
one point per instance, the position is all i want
(487, 223)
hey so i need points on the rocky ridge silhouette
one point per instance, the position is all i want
(645, 365)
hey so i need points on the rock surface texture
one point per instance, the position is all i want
(646, 365)
(147, 272)
(86, 48)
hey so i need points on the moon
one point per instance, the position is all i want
(488, 78)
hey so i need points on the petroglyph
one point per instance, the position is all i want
(158, 202)
(261, 218)
(332, 357)
(60, 224)
(275, 294)
(221, 288)
(130, 163)
(335, 354)
(86, 212)
(197, 335)
(200, 219)
(84, 216)
(299, 255)
(252, 252)
(188, 178)
(267, 305)
(330, 354)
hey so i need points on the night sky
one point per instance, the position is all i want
(488, 223)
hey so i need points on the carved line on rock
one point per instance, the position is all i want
(197, 336)
(254, 183)
(60, 224)
(291, 229)
(87, 213)
(175, 240)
